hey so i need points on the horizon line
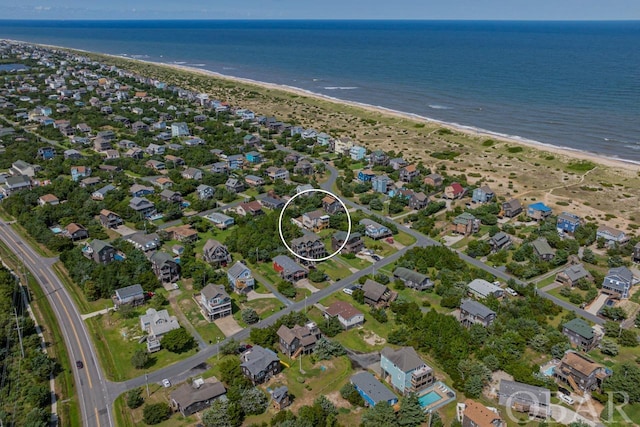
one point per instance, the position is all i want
(321, 19)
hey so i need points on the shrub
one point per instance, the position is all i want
(156, 413)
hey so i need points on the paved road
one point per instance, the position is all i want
(91, 386)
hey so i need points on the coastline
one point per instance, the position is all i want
(571, 153)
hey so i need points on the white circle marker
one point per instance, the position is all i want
(311, 190)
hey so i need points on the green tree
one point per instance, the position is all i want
(134, 398)
(177, 341)
(326, 349)
(37, 417)
(158, 301)
(287, 289)
(588, 256)
(609, 347)
(358, 296)
(381, 415)
(250, 316)
(625, 377)
(230, 347)
(350, 394)
(140, 358)
(317, 276)
(216, 415)
(254, 401)
(331, 327)
(473, 386)
(411, 413)
(628, 338)
(155, 413)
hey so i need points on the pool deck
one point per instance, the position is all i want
(441, 389)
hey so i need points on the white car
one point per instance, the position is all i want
(565, 398)
(348, 291)
(166, 383)
(511, 292)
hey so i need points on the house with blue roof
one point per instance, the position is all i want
(253, 157)
(538, 211)
(46, 153)
(366, 175)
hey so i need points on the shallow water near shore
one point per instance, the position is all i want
(573, 85)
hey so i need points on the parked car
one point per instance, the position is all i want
(348, 290)
(511, 292)
(376, 257)
(166, 383)
(565, 398)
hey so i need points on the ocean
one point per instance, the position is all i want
(568, 84)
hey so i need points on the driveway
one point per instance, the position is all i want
(566, 416)
(597, 304)
(228, 325)
(123, 230)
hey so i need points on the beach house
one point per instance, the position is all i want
(618, 282)
(482, 194)
(538, 211)
(520, 397)
(372, 390)
(215, 302)
(405, 370)
(348, 316)
(580, 334)
(240, 278)
(472, 312)
(568, 222)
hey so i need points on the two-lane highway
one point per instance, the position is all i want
(91, 386)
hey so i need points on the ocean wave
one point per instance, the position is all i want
(179, 62)
(340, 87)
(197, 65)
(633, 147)
(228, 68)
(439, 107)
(140, 56)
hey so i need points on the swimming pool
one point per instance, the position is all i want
(549, 371)
(429, 398)
(56, 230)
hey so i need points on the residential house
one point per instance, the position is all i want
(280, 397)
(219, 167)
(130, 295)
(418, 201)
(139, 127)
(536, 401)
(101, 144)
(538, 211)
(170, 196)
(568, 222)
(274, 173)
(573, 274)
(580, 372)
(75, 231)
(191, 398)
(46, 153)
(343, 146)
(580, 334)
(134, 153)
(357, 153)
(192, 173)
(15, 183)
(165, 267)
(254, 181)
(511, 208)
(618, 282)
(156, 324)
(72, 154)
(374, 230)
(175, 161)
(221, 221)
(216, 253)
(348, 316)
(288, 269)
(409, 173)
(259, 364)
(235, 161)
(353, 245)
(182, 233)
(398, 163)
(156, 165)
(80, 172)
(253, 157)
(542, 249)
(378, 158)
(205, 192)
(376, 294)
(142, 206)
(309, 246)
(89, 182)
(138, 190)
(454, 191)
(475, 414)
(331, 205)
(636, 253)
(155, 149)
(179, 129)
(304, 188)
(99, 251)
(253, 208)
(240, 278)
(215, 302)
(110, 219)
(366, 175)
(323, 139)
(372, 390)
(315, 220)
(271, 202)
(299, 339)
(482, 194)
(381, 183)
(472, 312)
(612, 235)
(405, 370)
(48, 199)
(251, 140)
(433, 180)
(102, 192)
(235, 185)
(83, 127)
(144, 242)
(465, 224)
(499, 241)
(412, 279)
(482, 289)
(303, 167)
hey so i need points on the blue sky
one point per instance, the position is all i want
(322, 9)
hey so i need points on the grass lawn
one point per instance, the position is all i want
(632, 412)
(355, 262)
(546, 282)
(208, 331)
(356, 166)
(461, 243)
(380, 247)
(404, 238)
(266, 269)
(334, 270)
(77, 294)
(116, 339)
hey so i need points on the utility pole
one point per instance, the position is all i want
(146, 380)
(15, 313)
(218, 347)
